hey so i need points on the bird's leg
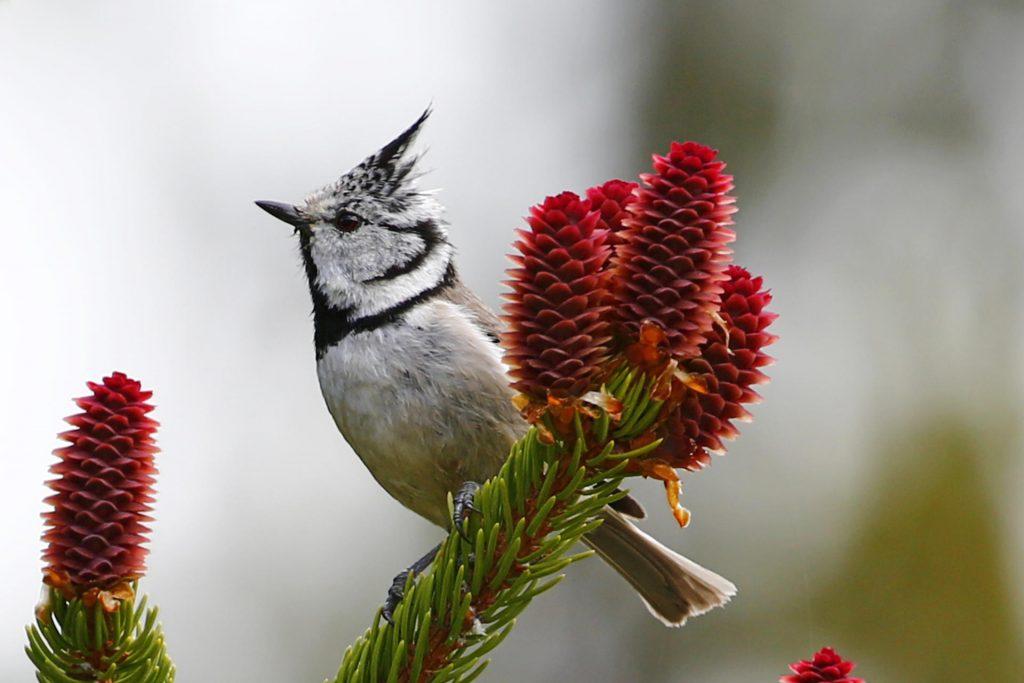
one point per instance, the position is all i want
(397, 589)
(462, 502)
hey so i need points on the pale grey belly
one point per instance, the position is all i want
(421, 427)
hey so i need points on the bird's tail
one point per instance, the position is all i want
(673, 588)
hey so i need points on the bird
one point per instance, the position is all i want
(411, 368)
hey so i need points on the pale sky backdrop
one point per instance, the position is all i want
(874, 503)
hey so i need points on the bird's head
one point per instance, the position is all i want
(371, 239)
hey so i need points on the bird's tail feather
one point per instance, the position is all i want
(673, 587)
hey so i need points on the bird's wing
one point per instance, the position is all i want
(484, 316)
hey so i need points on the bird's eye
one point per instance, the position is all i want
(347, 222)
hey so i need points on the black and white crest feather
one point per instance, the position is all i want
(387, 170)
(387, 177)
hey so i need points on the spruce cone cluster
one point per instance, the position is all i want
(104, 489)
(826, 665)
(642, 274)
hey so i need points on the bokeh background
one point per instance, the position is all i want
(875, 502)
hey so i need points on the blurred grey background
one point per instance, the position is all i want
(873, 505)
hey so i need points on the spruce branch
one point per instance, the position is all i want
(77, 639)
(548, 495)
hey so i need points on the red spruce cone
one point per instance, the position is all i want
(612, 199)
(557, 311)
(826, 665)
(104, 488)
(728, 368)
(673, 255)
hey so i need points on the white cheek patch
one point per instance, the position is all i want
(347, 263)
(362, 255)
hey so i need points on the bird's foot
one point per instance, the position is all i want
(397, 590)
(395, 595)
(462, 503)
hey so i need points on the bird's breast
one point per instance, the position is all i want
(424, 403)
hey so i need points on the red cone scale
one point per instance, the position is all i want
(672, 259)
(612, 199)
(103, 489)
(826, 665)
(557, 311)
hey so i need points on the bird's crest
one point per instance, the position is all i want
(385, 176)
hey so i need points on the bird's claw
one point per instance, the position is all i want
(462, 502)
(397, 590)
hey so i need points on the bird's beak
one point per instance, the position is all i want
(285, 212)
